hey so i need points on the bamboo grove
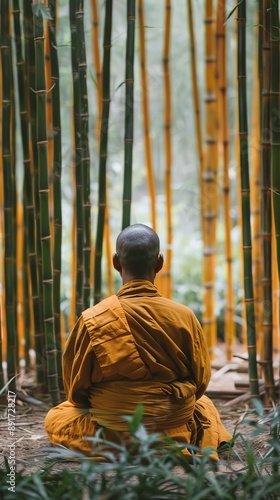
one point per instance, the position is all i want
(102, 193)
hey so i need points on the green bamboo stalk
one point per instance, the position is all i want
(26, 302)
(42, 144)
(266, 222)
(57, 162)
(21, 80)
(98, 76)
(78, 162)
(30, 73)
(129, 109)
(275, 133)
(103, 150)
(30, 188)
(245, 193)
(85, 160)
(9, 196)
(275, 121)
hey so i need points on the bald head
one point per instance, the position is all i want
(137, 248)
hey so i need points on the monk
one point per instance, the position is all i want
(136, 347)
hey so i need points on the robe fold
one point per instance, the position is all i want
(136, 347)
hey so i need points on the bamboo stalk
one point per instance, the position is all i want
(275, 297)
(210, 183)
(9, 196)
(243, 329)
(49, 120)
(28, 330)
(42, 144)
(30, 188)
(85, 160)
(245, 193)
(275, 121)
(267, 362)
(166, 272)
(97, 64)
(275, 160)
(3, 340)
(23, 253)
(78, 163)
(129, 109)
(72, 312)
(20, 274)
(103, 150)
(255, 192)
(2, 380)
(224, 131)
(98, 74)
(196, 100)
(56, 174)
(146, 115)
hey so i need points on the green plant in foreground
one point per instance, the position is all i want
(149, 467)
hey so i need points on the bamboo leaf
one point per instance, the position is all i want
(258, 406)
(234, 9)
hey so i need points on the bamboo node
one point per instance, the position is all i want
(210, 97)
(208, 251)
(49, 320)
(208, 175)
(209, 285)
(249, 300)
(207, 321)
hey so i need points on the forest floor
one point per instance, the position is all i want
(31, 440)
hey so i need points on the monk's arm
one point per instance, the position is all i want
(79, 365)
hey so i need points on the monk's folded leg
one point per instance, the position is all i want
(214, 433)
(67, 425)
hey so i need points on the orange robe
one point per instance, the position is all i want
(136, 347)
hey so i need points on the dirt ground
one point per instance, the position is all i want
(30, 438)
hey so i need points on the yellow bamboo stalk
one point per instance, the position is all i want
(20, 281)
(166, 273)
(146, 115)
(275, 295)
(256, 204)
(72, 307)
(224, 140)
(210, 183)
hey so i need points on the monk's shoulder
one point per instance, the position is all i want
(109, 303)
(177, 308)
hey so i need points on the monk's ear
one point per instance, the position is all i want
(159, 263)
(116, 263)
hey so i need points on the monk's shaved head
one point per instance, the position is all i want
(137, 248)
